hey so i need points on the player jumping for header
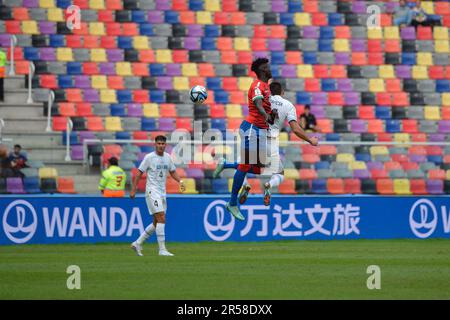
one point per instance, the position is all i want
(282, 109)
(157, 164)
(253, 131)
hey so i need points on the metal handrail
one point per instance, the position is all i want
(68, 131)
(51, 98)
(30, 82)
(2, 124)
(12, 67)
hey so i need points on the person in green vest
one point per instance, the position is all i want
(2, 73)
(112, 183)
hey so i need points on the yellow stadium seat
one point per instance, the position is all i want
(386, 71)
(241, 44)
(440, 33)
(234, 111)
(432, 113)
(424, 59)
(244, 83)
(378, 150)
(141, 42)
(150, 110)
(391, 33)
(345, 157)
(401, 137)
(163, 56)
(48, 172)
(189, 69)
(428, 6)
(212, 6)
(401, 186)
(55, 15)
(283, 139)
(123, 69)
(204, 17)
(30, 27)
(97, 29)
(357, 165)
(113, 124)
(442, 46)
(291, 174)
(341, 45)
(97, 4)
(446, 98)
(108, 96)
(420, 72)
(64, 54)
(305, 71)
(447, 175)
(374, 33)
(47, 4)
(302, 19)
(190, 186)
(376, 85)
(99, 82)
(181, 83)
(223, 150)
(98, 55)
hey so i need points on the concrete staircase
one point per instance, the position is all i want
(25, 124)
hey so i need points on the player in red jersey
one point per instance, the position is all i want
(253, 131)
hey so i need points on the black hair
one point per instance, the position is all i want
(275, 88)
(17, 146)
(113, 161)
(307, 106)
(257, 63)
(160, 138)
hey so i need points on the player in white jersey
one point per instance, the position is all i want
(156, 164)
(282, 110)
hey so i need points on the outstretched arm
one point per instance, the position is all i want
(301, 134)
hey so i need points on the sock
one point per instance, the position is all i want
(245, 182)
(161, 236)
(238, 179)
(275, 180)
(146, 234)
(230, 165)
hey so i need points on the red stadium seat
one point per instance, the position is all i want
(180, 56)
(375, 58)
(424, 33)
(335, 186)
(67, 109)
(115, 82)
(312, 85)
(113, 29)
(108, 42)
(319, 19)
(141, 96)
(418, 186)
(400, 99)
(82, 30)
(320, 71)
(95, 124)
(187, 17)
(278, 32)
(48, 81)
(375, 126)
(228, 56)
(391, 45)
(74, 41)
(436, 72)
(20, 14)
(379, 174)
(393, 85)
(180, 5)
(90, 68)
(310, 6)
(261, 31)
(106, 16)
(230, 84)
(230, 6)
(374, 45)
(193, 81)
(167, 110)
(287, 187)
(140, 69)
(74, 95)
(383, 98)
(130, 29)
(184, 123)
(366, 112)
(206, 70)
(294, 57)
(222, 18)
(352, 186)
(338, 71)
(384, 137)
(238, 18)
(66, 185)
(238, 97)
(385, 186)
(217, 111)
(258, 44)
(59, 123)
(342, 32)
(225, 44)
(336, 98)
(91, 41)
(13, 27)
(84, 109)
(83, 4)
(147, 55)
(307, 174)
(409, 126)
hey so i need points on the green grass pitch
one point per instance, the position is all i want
(410, 269)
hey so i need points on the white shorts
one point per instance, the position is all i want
(276, 166)
(156, 204)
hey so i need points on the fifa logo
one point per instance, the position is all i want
(73, 17)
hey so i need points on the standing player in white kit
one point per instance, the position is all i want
(157, 164)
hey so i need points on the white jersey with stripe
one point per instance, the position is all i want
(286, 110)
(157, 168)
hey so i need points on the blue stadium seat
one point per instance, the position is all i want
(208, 43)
(409, 58)
(322, 165)
(213, 31)
(124, 96)
(139, 16)
(221, 96)
(295, 6)
(393, 126)
(219, 124)
(335, 19)
(220, 185)
(63, 4)
(171, 17)
(326, 45)
(118, 110)
(309, 57)
(319, 186)
(157, 69)
(214, 83)
(326, 32)
(443, 85)
(363, 157)
(333, 137)
(146, 29)
(436, 159)
(303, 97)
(74, 68)
(196, 5)
(148, 124)
(57, 40)
(275, 70)
(287, 18)
(329, 85)
(31, 185)
(31, 53)
(147, 149)
(158, 96)
(73, 138)
(383, 112)
(124, 42)
(278, 57)
(123, 135)
(65, 81)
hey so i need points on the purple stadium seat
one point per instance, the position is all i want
(14, 185)
(163, 5)
(278, 6)
(361, 174)
(358, 125)
(107, 68)
(419, 158)
(403, 72)
(192, 43)
(310, 32)
(288, 71)
(195, 173)
(358, 45)
(435, 186)
(390, 6)
(408, 33)
(436, 137)
(195, 30)
(352, 98)
(134, 110)
(114, 55)
(91, 95)
(47, 54)
(318, 111)
(141, 156)
(444, 126)
(84, 135)
(165, 83)
(342, 58)
(82, 82)
(47, 27)
(166, 124)
(344, 85)
(275, 44)
(5, 40)
(156, 17)
(359, 7)
(173, 69)
(30, 3)
(319, 98)
(374, 165)
(76, 153)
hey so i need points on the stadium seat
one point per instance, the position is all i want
(66, 185)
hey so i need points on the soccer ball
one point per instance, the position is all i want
(198, 94)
